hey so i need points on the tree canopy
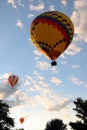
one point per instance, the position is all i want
(55, 124)
(81, 113)
(6, 122)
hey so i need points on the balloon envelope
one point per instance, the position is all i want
(21, 119)
(51, 32)
(13, 79)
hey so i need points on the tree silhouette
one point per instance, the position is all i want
(81, 110)
(55, 124)
(6, 122)
(19, 129)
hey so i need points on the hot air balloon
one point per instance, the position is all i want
(21, 120)
(52, 32)
(13, 79)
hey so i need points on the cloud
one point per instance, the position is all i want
(4, 76)
(76, 66)
(64, 2)
(15, 3)
(42, 95)
(19, 24)
(30, 15)
(33, 84)
(20, 3)
(63, 62)
(56, 80)
(54, 70)
(73, 49)
(37, 53)
(61, 105)
(34, 91)
(51, 8)
(12, 2)
(42, 65)
(78, 82)
(39, 7)
(79, 19)
(36, 83)
(38, 75)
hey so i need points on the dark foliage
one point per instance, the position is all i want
(55, 124)
(20, 129)
(81, 110)
(6, 122)
(78, 125)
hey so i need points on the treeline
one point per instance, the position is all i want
(8, 123)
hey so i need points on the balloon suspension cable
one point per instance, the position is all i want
(53, 63)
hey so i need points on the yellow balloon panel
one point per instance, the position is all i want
(47, 34)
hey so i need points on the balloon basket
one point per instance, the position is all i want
(53, 63)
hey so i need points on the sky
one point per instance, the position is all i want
(43, 92)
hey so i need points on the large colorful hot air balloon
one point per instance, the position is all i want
(21, 120)
(13, 79)
(52, 32)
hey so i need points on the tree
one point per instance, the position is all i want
(6, 122)
(19, 129)
(55, 124)
(81, 110)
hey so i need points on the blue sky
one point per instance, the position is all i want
(43, 92)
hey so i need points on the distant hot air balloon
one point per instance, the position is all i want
(13, 79)
(51, 32)
(21, 120)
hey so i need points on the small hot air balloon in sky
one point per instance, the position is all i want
(52, 32)
(21, 120)
(13, 79)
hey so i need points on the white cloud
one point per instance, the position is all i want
(12, 2)
(51, 8)
(43, 95)
(56, 80)
(30, 15)
(42, 65)
(75, 66)
(64, 2)
(78, 82)
(80, 4)
(36, 92)
(54, 70)
(42, 83)
(19, 24)
(15, 3)
(79, 19)
(20, 3)
(63, 62)
(37, 53)
(64, 102)
(73, 49)
(4, 76)
(38, 75)
(63, 56)
(39, 7)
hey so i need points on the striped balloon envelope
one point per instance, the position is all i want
(13, 79)
(52, 32)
